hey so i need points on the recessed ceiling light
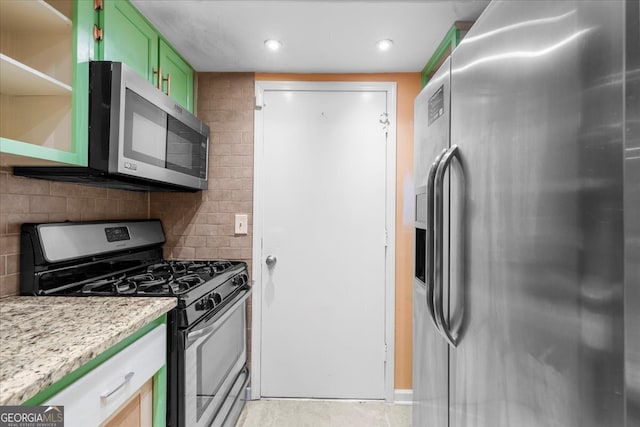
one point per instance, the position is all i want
(384, 44)
(272, 44)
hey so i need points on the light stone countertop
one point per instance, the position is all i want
(43, 339)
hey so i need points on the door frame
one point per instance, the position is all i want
(258, 209)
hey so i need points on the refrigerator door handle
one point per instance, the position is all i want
(430, 252)
(443, 325)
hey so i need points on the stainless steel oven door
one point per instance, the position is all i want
(215, 353)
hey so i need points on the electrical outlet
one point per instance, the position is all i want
(242, 223)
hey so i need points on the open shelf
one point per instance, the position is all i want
(36, 93)
(19, 79)
(18, 153)
(37, 120)
(32, 16)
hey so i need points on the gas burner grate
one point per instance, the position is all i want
(190, 280)
(220, 266)
(111, 286)
(175, 286)
(179, 267)
(147, 280)
(170, 288)
(162, 270)
(211, 268)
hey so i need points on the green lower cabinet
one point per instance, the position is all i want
(178, 75)
(129, 38)
(132, 372)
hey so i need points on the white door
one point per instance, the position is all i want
(323, 190)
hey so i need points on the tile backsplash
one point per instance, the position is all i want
(201, 225)
(34, 200)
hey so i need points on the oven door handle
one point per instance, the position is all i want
(195, 335)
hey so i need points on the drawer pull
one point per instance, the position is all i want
(127, 378)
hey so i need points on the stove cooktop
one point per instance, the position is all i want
(123, 258)
(163, 278)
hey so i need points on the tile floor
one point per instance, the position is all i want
(323, 413)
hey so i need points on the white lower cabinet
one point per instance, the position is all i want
(137, 412)
(111, 387)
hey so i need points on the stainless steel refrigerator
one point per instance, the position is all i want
(527, 227)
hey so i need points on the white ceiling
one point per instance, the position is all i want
(318, 36)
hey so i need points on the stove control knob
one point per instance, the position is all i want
(211, 302)
(217, 298)
(205, 304)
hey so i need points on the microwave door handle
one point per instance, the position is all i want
(429, 253)
(439, 246)
(194, 336)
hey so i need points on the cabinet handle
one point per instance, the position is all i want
(97, 5)
(160, 79)
(127, 378)
(168, 80)
(97, 33)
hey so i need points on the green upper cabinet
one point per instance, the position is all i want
(44, 72)
(443, 51)
(128, 37)
(39, 57)
(177, 76)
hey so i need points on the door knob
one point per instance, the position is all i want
(271, 260)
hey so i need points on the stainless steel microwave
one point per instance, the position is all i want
(139, 138)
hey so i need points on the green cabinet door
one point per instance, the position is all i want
(179, 75)
(129, 38)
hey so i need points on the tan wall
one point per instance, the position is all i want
(408, 88)
(34, 200)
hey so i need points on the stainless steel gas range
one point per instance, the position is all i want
(206, 362)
